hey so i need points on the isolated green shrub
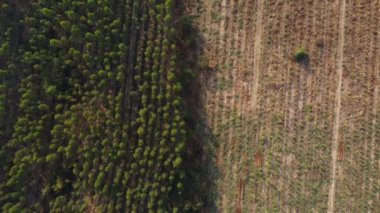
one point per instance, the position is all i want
(300, 54)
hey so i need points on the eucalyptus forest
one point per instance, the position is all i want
(91, 110)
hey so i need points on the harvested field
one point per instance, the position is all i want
(292, 135)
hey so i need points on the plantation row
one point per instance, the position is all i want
(90, 107)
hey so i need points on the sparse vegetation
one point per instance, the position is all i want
(299, 113)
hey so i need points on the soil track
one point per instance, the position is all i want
(338, 96)
(257, 57)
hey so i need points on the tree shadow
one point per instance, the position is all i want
(302, 58)
(200, 165)
(304, 62)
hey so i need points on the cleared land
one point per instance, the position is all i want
(292, 136)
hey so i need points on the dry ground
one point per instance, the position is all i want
(320, 119)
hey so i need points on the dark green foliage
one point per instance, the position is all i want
(90, 96)
(47, 12)
(301, 54)
(55, 43)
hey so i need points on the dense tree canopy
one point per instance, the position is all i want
(90, 107)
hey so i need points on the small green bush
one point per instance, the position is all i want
(300, 54)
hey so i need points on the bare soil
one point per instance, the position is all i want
(319, 118)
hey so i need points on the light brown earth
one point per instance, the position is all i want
(322, 119)
(334, 148)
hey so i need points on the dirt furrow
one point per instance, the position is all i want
(230, 105)
(217, 94)
(257, 51)
(335, 139)
(376, 90)
(234, 116)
